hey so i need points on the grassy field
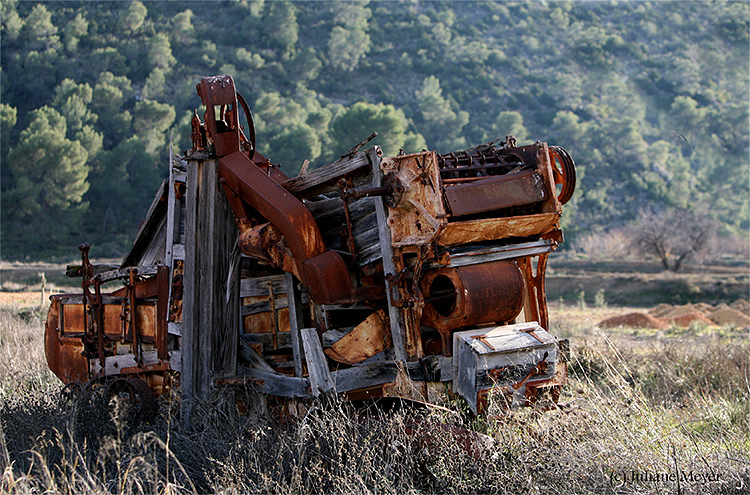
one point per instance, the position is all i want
(646, 411)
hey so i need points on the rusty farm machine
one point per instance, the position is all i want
(371, 276)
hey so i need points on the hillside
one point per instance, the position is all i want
(651, 99)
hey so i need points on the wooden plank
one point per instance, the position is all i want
(252, 357)
(148, 228)
(174, 328)
(263, 306)
(258, 286)
(369, 375)
(191, 369)
(162, 311)
(364, 341)
(389, 268)
(74, 271)
(332, 210)
(317, 365)
(296, 321)
(283, 339)
(363, 376)
(143, 271)
(173, 225)
(354, 378)
(226, 300)
(210, 318)
(113, 364)
(78, 298)
(330, 337)
(171, 214)
(367, 245)
(327, 173)
(486, 255)
(178, 251)
(277, 384)
(369, 254)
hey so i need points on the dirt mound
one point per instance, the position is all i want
(742, 306)
(729, 316)
(704, 308)
(678, 311)
(635, 320)
(687, 319)
(660, 310)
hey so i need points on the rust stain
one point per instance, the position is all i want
(457, 233)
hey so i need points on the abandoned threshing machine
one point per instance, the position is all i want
(371, 276)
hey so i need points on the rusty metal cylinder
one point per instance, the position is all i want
(472, 295)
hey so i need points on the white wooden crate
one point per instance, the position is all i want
(501, 356)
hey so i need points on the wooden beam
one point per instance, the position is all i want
(143, 271)
(253, 358)
(283, 339)
(258, 286)
(327, 173)
(389, 268)
(210, 323)
(149, 229)
(487, 254)
(296, 320)
(317, 365)
(356, 377)
(74, 271)
(265, 382)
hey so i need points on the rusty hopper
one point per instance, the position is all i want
(371, 276)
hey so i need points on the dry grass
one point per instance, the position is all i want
(646, 412)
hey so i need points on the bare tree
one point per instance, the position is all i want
(674, 236)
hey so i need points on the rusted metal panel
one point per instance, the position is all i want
(113, 320)
(256, 322)
(493, 193)
(416, 213)
(367, 339)
(64, 355)
(457, 233)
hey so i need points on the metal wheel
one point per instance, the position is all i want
(137, 397)
(563, 172)
(71, 392)
(250, 123)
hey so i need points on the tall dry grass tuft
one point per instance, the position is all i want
(640, 408)
(23, 367)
